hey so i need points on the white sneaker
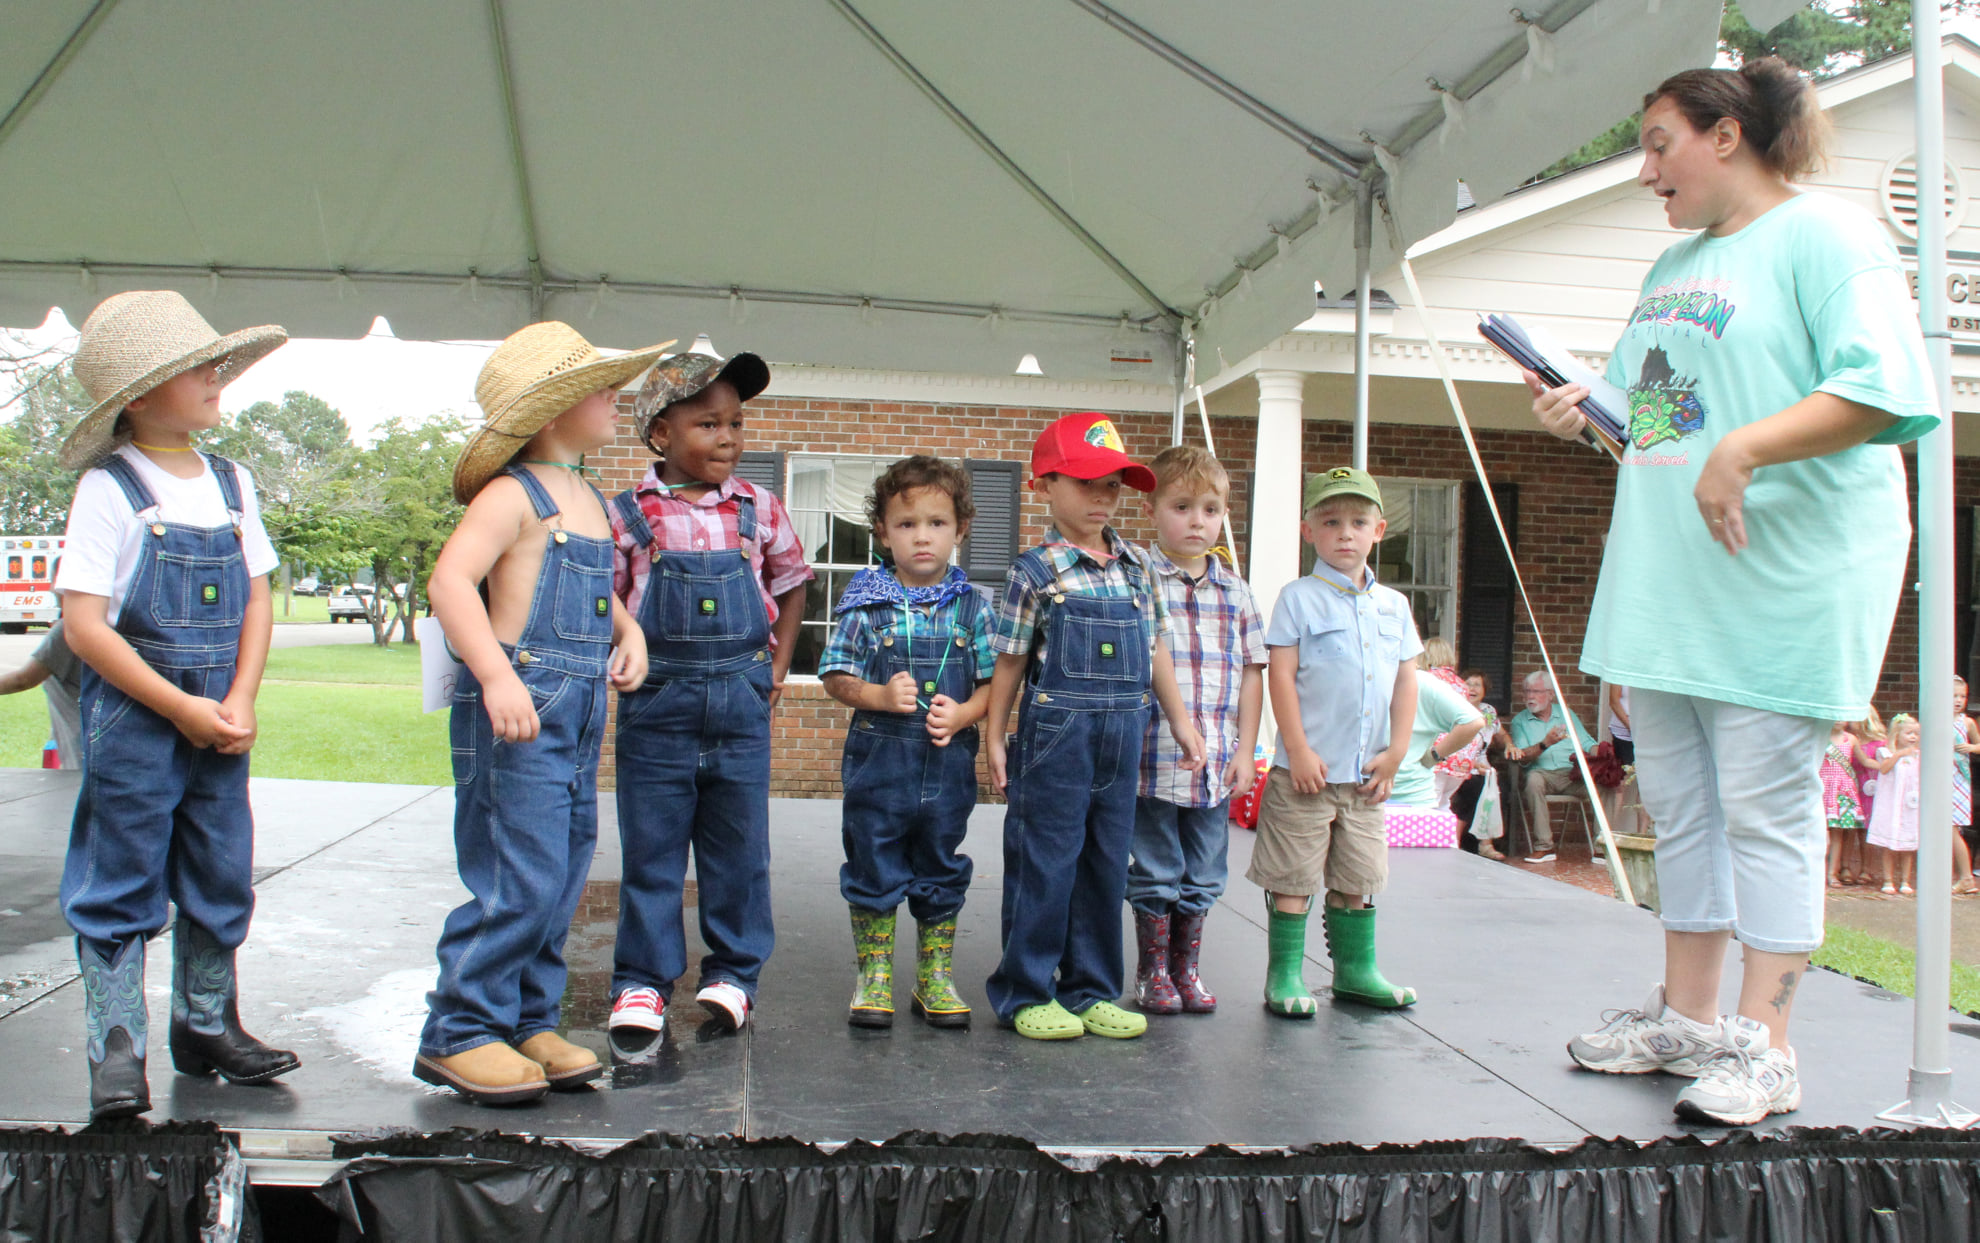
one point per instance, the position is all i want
(726, 1004)
(1638, 1042)
(639, 1008)
(1545, 856)
(1745, 1082)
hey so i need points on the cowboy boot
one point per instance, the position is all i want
(114, 1021)
(1351, 944)
(1154, 991)
(873, 994)
(1286, 993)
(206, 1022)
(1185, 941)
(935, 996)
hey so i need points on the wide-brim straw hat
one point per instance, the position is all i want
(530, 379)
(134, 342)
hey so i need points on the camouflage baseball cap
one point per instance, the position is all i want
(682, 376)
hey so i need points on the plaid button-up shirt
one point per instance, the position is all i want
(1215, 633)
(1019, 626)
(708, 523)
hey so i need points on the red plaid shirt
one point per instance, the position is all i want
(708, 523)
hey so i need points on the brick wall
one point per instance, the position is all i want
(1565, 496)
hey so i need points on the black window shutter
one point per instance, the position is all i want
(765, 470)
(1485, 613)
(993, 536)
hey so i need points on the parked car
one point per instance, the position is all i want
(348, 603)
(307, 586)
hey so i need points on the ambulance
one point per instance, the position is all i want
(27, 581)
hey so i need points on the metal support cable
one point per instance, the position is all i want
(1005, 162)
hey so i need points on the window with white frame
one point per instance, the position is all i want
(1418, 553)
(827, 503)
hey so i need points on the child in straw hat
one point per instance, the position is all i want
(529, 709)
(164, 587)
(710, 565)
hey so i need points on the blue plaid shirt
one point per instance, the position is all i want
(1019, 627)
(860, 631)
(1215, 632)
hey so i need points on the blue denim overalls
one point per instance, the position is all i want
(526, 813)
(1074, 770)
(694, 766)
(907, 801)
(157, 816)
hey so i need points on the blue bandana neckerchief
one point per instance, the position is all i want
(876, 584)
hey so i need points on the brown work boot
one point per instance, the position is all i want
(564, 1064)
(488, 1074)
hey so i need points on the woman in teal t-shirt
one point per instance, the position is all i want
(1773, 363)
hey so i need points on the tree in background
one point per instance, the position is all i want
(301, 456)
(34, 489)
(1824, 39)
(404, 488)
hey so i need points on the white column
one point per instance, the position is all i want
(1276, 484)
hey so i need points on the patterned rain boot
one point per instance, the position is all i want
(114, 1021)
(873, 994)
(1285, 976)
(1185, 942)
(1351, 944)
(206, 1022)
(1154, 991)
(935, 996)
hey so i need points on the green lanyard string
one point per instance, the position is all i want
(907, 625)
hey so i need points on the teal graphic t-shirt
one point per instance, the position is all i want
(1727, 331)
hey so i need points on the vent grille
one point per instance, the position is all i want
(1900, 195)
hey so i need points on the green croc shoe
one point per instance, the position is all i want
(1048, 1021)
(1104, 1018)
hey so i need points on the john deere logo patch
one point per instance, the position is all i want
(1106, 649)
(603, 605)
(707, 608)
(928, 687)
(209, 593)
(1102, 434)
(1340, 472)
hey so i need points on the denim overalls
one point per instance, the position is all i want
(907, 801)
(526, 813)
(157, 816)
(694, 766)
(1074, 768)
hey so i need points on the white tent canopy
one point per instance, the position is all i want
(871, 183)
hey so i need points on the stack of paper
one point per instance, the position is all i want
(1606, 406)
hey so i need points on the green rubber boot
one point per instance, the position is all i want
(935, 996)
(1351, 944)
(873, 995)
(1285, 977)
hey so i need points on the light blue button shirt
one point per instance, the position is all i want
(1351, 640)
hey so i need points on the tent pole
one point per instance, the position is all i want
(1364, 242)
(1929, 1099)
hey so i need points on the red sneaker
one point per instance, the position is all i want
(641, 1008)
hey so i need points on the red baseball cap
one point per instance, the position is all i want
(1087, 446)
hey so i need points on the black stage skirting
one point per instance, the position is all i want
(184, 1183)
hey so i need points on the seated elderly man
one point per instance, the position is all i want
(1538, 738)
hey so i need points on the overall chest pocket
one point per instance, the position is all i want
(1096, 647)
(709, 608)
(189, 589)
(582, 611)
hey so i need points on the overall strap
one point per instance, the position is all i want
(539, 496)
(126, 476)
(230, 484)
(745, 519)
(635, 519)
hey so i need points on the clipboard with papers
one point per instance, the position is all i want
(1606, 407)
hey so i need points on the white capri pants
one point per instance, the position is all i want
(1736, 794)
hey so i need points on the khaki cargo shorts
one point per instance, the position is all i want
(1309, 842)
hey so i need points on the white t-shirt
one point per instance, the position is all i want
(105, 536)
(1617, 730)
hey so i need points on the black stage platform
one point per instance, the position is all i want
(354, 880)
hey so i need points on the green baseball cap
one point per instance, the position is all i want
(1340, 481)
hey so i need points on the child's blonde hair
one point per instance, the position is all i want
(1438, 654)
(1189, 466)
(1871, 726)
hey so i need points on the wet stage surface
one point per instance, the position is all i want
(354, 880)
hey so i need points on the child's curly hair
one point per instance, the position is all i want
(920, 471)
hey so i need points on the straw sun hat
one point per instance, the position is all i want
(134, 342)
(530, 379)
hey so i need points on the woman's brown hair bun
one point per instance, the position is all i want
(1775, 106)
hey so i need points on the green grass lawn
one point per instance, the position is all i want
(327, 714)
(1889, 966)
(302, 609)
